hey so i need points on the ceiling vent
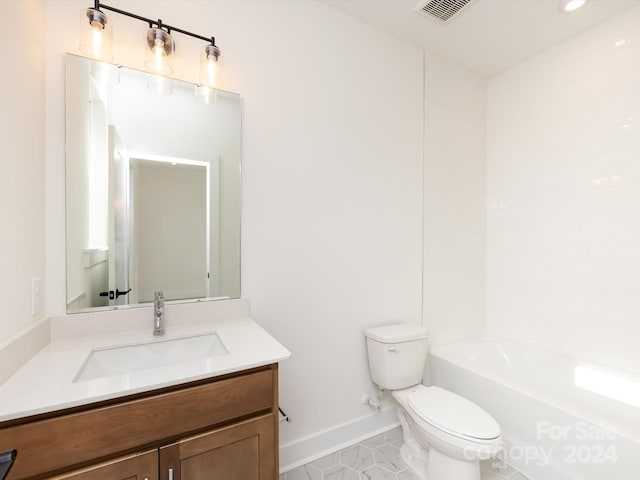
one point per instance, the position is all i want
(442, 10)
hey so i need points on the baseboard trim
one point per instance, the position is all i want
(313, 447)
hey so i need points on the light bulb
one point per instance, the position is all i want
(158, 55)
(97, 42)
(95, 38)
(209, 66)
(161, 46)
(211, 71)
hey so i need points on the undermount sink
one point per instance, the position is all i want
(110, 361)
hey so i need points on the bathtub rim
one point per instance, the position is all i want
(631, 434)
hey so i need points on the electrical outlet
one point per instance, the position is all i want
(36, 305)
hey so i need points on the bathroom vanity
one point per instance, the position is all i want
(223, 428)
(114, 395)
(212, 415)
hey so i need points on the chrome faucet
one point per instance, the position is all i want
(158, 314)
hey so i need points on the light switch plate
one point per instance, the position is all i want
(36, 306)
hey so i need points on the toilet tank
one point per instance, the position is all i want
(397, 355)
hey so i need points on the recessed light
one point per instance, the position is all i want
(570, 5)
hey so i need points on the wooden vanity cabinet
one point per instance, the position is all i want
(224, 428)
(243, 451)
(141, 466)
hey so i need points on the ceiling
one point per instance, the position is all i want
(488, 36)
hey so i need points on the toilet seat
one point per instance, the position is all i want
(453, 414)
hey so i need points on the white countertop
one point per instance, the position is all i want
(46, 382)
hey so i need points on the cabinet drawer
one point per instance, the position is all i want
(132, 467)
(55, 444)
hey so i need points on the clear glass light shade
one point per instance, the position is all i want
(160, 85)
(95, 35)
(206, 94)
(161, 46)
(209, 66)
(105, 73)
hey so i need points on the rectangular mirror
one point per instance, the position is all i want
(152, 188)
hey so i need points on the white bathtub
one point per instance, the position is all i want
(553, 428)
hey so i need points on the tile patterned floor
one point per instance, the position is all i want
(378, 458)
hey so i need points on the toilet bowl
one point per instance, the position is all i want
(455, 432)
(444, 435)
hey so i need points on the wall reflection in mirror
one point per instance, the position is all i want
(152, 188)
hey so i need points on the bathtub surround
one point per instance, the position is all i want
(563, 231)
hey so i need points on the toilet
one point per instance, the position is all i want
(444, 435)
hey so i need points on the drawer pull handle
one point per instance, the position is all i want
(171, 474)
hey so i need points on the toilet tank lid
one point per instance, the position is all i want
(398, 332)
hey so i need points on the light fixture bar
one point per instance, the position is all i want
(157, 23)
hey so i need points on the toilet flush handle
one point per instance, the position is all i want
(393, 350)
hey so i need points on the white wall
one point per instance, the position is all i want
(22, 199)
(454, 201)
(563, 222)
(332, 179)
(332, 168)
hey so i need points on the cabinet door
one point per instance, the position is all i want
(242, 451)
(140, 466)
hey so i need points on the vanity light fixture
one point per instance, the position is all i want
(570, 5)
(208, 71)
(161, 46)
(96, 43)
(95, 38)
(209, 65)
